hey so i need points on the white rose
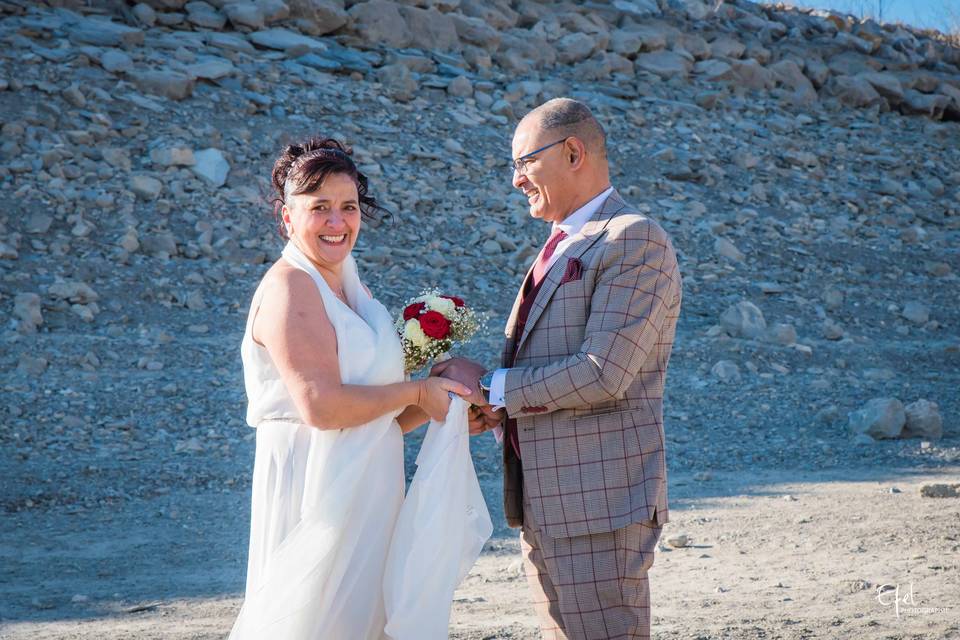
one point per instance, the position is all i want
(442, 305)
(414, 333)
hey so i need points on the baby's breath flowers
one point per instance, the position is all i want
(431, 324)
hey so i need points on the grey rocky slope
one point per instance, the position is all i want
(806, 165)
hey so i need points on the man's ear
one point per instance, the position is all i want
(575, 152)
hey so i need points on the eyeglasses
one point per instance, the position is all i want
(520, 164)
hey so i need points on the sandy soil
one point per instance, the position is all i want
(771, 555)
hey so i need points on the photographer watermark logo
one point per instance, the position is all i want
(903, 601)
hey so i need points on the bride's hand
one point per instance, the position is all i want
(433, 395)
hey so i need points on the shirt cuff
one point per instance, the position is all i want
(497, 385)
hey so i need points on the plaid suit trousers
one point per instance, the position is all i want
(590, 587)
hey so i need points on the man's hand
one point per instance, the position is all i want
(482, 419)
(464, 371)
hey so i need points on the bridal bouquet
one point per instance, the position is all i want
(430, 325)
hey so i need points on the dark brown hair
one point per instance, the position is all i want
(307, 164)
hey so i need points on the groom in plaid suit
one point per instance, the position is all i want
(578, 400)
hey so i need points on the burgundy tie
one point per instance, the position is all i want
(530, 289)
(540, 268)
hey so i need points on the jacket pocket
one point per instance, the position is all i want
(603, 409)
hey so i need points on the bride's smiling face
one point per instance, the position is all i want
(325, 223)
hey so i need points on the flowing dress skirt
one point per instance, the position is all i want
(351, 533)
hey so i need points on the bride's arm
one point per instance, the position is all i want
(293, 326)
(411, 418)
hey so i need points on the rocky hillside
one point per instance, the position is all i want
(807, 166)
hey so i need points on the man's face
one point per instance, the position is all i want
(545, 179)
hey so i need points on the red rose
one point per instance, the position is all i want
(457, 302)
(435, 325)
(413, 311)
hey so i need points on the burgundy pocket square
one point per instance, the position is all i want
(573, 272)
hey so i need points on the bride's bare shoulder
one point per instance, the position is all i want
(284, 279)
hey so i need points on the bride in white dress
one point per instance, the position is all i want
(323, 370)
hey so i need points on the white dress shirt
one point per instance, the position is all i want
(571, 225)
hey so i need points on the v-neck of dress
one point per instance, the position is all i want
(299, 260)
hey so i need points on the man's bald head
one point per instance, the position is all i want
(565, 117)
(559, 158)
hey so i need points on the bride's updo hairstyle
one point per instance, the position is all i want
(302, 168)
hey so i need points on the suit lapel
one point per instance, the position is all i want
(509, 329)
(589, 234)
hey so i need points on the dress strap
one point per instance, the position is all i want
(351, 280)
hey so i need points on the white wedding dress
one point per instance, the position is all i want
(335, 550)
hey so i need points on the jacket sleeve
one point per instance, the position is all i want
(637, 285)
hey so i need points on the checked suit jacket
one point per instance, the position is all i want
(586, 385)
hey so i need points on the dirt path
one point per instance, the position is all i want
(773, 555)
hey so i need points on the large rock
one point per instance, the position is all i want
(602, 65)
(932, 105)
(170, 84)
(324, 16)
(855, 91)
(144, 14)
(693, 44)
(923, 420)
(176, 155)
(726, 371)
(205, 15)
(284, 39)
(26, 309)
(476, 32)
(116, 61)
(692, 9)
(666, 64)
(789, 74)
(641, 38)
(750, 74)
(637, 8)
(744, 319)
(380, 21)
(230, 42)
(72, 291)
(952, 93)
(852, 64)
(211, 166)
(496, 13)
(145, 187)
(104, 33)
(916, 312)
(521, 54)
(727, 47)
(211, 68)
(817, 70)
(940, 490)
(574, 47)
(161, 244)
(273, 10)
(245, 14)
(880, 418)
(8, 251)
(714, 70)
(728, 250)
(397, 81)
(38, 222)
(118, 158)
(431, 30)
(850, 41)
(886, 84)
